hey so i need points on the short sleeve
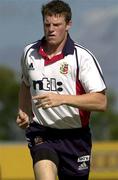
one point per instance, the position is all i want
(24, 70)
(90, 74)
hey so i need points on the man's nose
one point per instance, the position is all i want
(51, 28)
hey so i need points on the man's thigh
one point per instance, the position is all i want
(45, 169)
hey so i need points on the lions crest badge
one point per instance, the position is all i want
(64, 68)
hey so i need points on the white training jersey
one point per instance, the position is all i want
(74, 71)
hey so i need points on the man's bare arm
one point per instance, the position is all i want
(92, 101)
(24, 106)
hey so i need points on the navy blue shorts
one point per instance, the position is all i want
(69, 149)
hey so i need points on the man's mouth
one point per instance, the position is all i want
(51, 35)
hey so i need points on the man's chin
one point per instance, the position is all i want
(52, 43)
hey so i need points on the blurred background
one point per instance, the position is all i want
(95, 26)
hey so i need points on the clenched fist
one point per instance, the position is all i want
(22, 119)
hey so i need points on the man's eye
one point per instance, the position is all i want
(47, 25)
(56, 25)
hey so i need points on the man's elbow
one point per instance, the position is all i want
(103, 105)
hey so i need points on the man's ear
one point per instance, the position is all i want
(69, 24)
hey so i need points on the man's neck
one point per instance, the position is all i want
(52, 50)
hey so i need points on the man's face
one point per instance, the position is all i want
(55, 29)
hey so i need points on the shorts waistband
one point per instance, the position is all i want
(38, 129)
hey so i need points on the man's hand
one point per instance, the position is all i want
(22, 119)
(48, 100)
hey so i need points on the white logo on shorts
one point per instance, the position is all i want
(82, 162)
(83, 166)
(83, 158)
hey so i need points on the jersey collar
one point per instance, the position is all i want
(69, 46)
(68, 49)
